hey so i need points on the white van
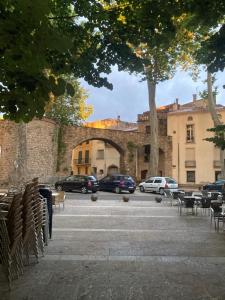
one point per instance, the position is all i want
(158, 185)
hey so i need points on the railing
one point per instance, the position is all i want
(82, 161)
(190, 163)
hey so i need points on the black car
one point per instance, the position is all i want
(81, 183)
(117, 183)
(216, 186)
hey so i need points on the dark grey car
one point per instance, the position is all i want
(80, 183)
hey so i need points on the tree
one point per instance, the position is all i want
(67, 109)
(219, 138)
(62, 37)
(160, 63)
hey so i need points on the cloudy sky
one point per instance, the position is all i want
(129, 96)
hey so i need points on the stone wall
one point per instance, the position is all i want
(8, 156)
(31, 150)
(27, 151)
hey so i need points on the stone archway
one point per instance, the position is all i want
(93, 156)
(65, 167)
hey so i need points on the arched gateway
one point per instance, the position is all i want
(130, 159)
(32, 150)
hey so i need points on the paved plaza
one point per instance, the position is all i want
(140, 250)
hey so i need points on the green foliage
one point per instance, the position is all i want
(67, 109)
(219, 137)
(204, 94)
(61, 148)
(41, 40)
(131, 147)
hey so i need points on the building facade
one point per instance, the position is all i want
(194, 160)
(97, 157)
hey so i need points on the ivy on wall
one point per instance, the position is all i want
(61, 148)
(131, 146)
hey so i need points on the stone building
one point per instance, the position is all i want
(98, 157)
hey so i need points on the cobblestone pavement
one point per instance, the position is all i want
(140, 250)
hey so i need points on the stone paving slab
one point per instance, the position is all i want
(141, 251)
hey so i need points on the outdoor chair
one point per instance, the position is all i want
(168, 197)
(217, 216)
(205, 205)
(47, 194)
(187, 204)
(60, 198)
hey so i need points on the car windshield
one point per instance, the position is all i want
(92, 178)
(220, 181)
(170, 180)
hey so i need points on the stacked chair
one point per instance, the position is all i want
(23, 229)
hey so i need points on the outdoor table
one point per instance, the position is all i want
(194, 199)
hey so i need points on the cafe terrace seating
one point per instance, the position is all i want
(23, 229)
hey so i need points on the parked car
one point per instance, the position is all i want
(158, 185)
(216, 186)
(81, 183)
(117, 183)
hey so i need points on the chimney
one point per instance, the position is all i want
(194, 97)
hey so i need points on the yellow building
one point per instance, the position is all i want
(194, 160)
(81, 159)
(97, 157)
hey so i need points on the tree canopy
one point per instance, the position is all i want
(42, 40)
(67, 109)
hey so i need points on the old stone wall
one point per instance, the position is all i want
(41, 149)
(8, 153)
(27, 151)
(31, 150)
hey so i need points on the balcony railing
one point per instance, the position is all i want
(82, 161)
(190, 163)
(216, 164)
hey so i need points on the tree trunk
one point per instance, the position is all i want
(153, 122)
(215, 117)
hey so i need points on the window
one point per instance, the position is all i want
(147, 129)
(170, 180)
(190, 176)
(78, 170)
(149, 181)
(79, 157)
(87, 157)
(158, 181)
(86, 170)
(100, 154)
(190, 133)
(146, 153)
(190, 118)
(217, 175)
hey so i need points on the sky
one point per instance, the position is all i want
(129, 95)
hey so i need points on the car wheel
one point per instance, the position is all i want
(59, 188)
(131, 192)
(161, 191)
(84, 190)
(94, 192)
(117, 190)
(142, 189)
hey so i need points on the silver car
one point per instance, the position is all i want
(158, 185)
